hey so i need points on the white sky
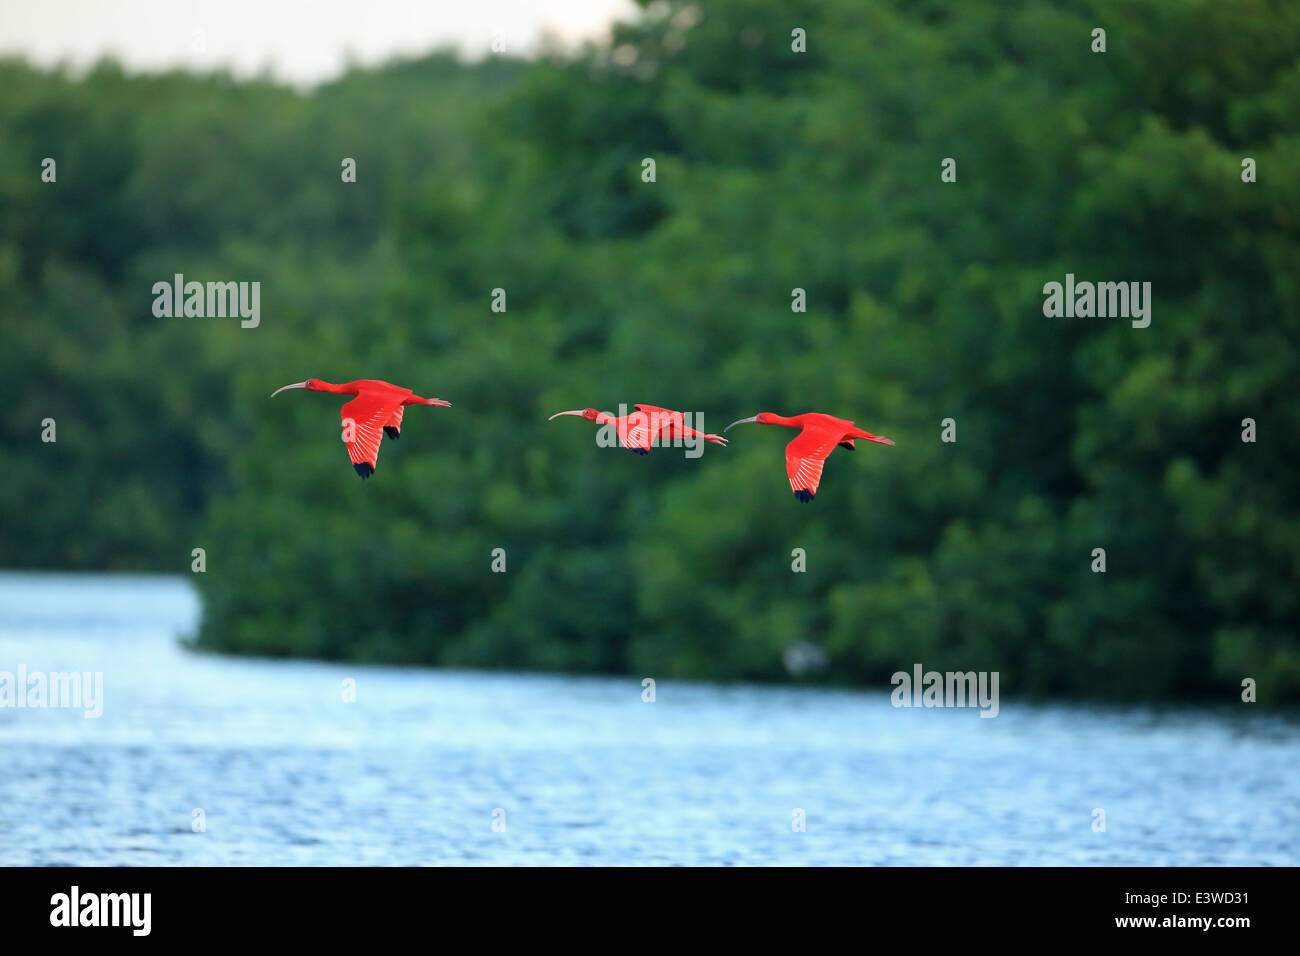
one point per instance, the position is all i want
(299, 41)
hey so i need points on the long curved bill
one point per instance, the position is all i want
(294, 385)
(577, 412)
(739, 422)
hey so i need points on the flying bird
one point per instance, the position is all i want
(648, 424)
(376, 411)
(819, 435)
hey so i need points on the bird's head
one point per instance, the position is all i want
(312, 385)
(762, 418)
(588, 413)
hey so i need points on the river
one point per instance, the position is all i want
(205, 760)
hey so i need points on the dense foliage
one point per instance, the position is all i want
(775, 170)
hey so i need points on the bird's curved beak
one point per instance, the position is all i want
(577, 412)
(740, 422)
(294, 385)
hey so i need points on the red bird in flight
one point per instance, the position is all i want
(376, 411)
(644, 426)
(805, 456)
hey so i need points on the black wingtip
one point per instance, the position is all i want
(364, 469)
(804, 495)
(392, 432)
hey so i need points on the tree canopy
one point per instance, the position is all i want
(774, 170)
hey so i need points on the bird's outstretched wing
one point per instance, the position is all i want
(805, 457)
(651, 423)
(364, 419)
(393, 427)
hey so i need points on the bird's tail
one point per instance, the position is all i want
(859, 433)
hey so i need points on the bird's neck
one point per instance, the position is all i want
(347, 388)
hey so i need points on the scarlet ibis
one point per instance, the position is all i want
(649, 423)
(805, 456)
(378, 405)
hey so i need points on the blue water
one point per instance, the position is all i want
(581, 770)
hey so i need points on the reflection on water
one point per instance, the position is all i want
(286, 772)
